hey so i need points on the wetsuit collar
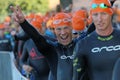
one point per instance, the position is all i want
(67, 46)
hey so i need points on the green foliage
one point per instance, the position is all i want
(27, 6)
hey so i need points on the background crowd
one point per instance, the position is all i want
(30, 60)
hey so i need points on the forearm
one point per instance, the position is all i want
(38, 39)
(78, 64)
(24, 56)
(77, 70)
(29, 29)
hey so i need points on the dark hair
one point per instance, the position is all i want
(58, 8)
(112, 2)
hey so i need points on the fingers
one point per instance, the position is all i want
(15, 9)
(18, 16)
(19, 9)
(12, 9)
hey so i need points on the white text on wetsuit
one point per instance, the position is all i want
(106, 48)
(67, 57)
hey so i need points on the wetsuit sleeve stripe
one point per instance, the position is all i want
(78, 66)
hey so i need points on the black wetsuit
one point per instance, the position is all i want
(20, 38)
(5, 44)
(96, 55)
(59, 57)
(31, 56)
(91, 28)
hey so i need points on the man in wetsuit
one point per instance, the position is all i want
(59, 54)
(32, 61)
(97, 53)
(91, 27)
(5, 43)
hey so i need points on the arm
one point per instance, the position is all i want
(42, 45)
(116, 70)
(24, 60)
(32, 32)
(24, 56)
(78, 63)
(39, 40)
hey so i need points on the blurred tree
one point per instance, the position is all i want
(26, 5)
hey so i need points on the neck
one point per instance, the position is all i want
(105, 32)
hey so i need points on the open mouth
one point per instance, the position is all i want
(64, 37)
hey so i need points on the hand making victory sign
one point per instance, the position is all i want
(17, 15)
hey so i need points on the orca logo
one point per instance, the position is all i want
(67, 57)
(109, 48)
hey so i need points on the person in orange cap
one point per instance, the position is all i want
(116, 71)
(118, 15)
(117, 18)
(50, 29)
(62, 21)
(30, 17)
(36, 67)
(4, 41)
(37, 23)
(97, 53)
(78, 26)
(91, 26)
(2, 27)
(59, 54)
(79, 22)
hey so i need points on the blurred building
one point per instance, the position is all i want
(77, 4)
(117, 2)
(53, 3)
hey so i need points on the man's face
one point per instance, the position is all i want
(102, 20)
(64, 34)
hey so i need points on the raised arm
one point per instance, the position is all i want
(19, 17)
(41, 43)
(39, 40)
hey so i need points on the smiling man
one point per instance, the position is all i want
(63, 28)
(58, 54)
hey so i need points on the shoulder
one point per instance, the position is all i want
(29, 41)
(89, 37)
(116, 32)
